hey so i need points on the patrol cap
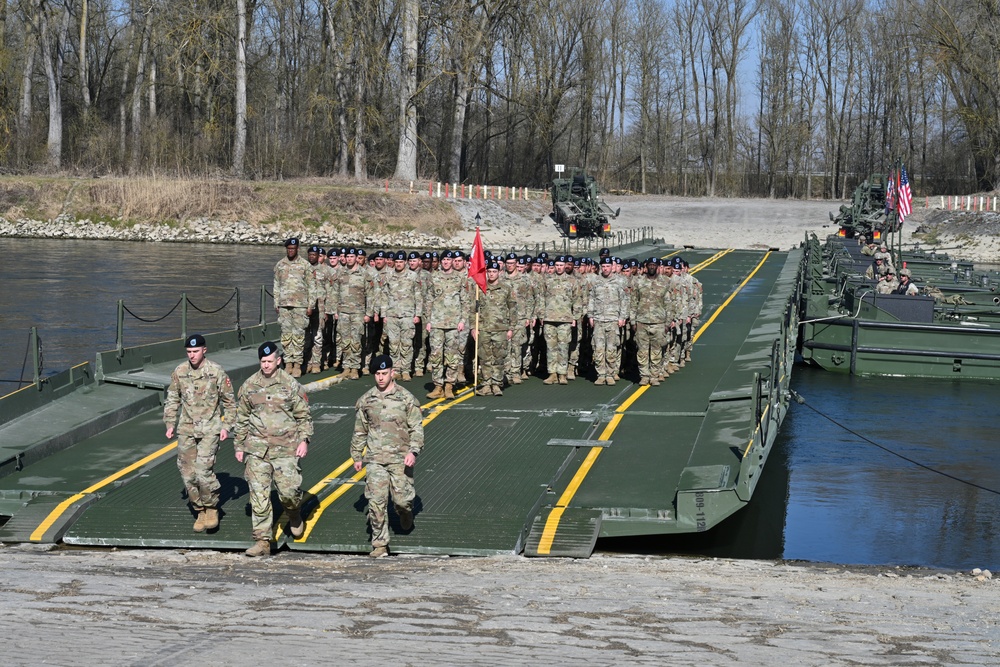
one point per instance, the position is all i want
(196, 340)
(314, 248)
(270, 347)
(292, 242)
(416, 255)
(493, 265)
(381, 363)
(512, 255)
(607, 260)
(448, 254)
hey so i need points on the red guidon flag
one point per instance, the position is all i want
(477, 262)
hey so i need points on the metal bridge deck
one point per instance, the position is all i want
(492, 472)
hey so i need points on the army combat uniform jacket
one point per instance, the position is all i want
(272, 415)
(389, 424)
(197, 398)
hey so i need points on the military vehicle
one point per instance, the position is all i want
(578, 208)
(866, 215)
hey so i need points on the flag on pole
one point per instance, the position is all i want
(477, 262)
(890, 195)
(905, 199)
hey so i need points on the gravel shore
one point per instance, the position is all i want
(142, 607)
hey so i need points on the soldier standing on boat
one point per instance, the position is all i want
(293, 293)
(388, 436)
(199, 396)
(906, 285)
(273, 428)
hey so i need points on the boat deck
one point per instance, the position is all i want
(543, 470)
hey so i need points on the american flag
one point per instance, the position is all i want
(905, 204)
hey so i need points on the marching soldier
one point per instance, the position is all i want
(388, 437)
(200, 395)
(273, 428)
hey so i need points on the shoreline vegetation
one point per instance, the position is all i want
(220, 211)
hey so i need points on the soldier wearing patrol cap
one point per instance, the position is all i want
(388, 436)
(293, 294)
(199, 397)
(273, 428)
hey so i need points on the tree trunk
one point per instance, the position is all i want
(240, 131)
(53, 76)
(406, 157)
(83, 63)
(140, 80)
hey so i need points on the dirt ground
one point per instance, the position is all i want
(147, 607)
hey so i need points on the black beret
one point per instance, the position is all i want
(334, 252)
(512, 255)
(322, 251)
(617, 260)
(606, 260)
(314, 248)
(361, 252)
(449, 254)
(552, 262)
(379, 254)
(197, 340)
(543, 255)
(381, 362)
(604, 251)
(270, 347)
(493, 265)
(523, 260)
(576, 262)
(351, 251)
(428, 255)
(570, 258)
(416, 255)
(435, 254)
(459, 254)
(292, 242)
(560, 258)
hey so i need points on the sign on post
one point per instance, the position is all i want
(560, 168)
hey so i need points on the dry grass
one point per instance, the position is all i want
(315, 203)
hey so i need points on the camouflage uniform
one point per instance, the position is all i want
(558, 310)
(313, 346)
(293, 294)
(497, 312)
(388, 426)
(331, 298)
(446, 307)
(355, 300)
(650, 306)
(518, 353)
(695, 296)
(272, 419)
(607, 305)
(195, 403)
(374, 332)
(404, 300)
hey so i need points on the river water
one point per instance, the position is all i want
(836, 488)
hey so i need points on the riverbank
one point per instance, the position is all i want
(159, 607)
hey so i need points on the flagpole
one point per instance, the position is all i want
(475, 355)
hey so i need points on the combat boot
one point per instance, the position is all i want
(211, 515)
(610, 380)
(259, 548)
(497, 391)
(419, 373)
(406, 376)
(654, 382)
(515, 378)
(484, 390)
(551, 379)
(563, 380)
(449, 390)
(570, 374)
(644, 382)
(601, 381)
(296, 371)
(436, 392)
(379, 552)
(199, 522)
(314, 368)
(296, 527)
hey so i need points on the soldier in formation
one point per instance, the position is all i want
(293, 293)
(199, 397)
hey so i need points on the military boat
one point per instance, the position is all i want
(543, 470)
